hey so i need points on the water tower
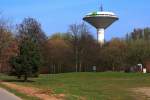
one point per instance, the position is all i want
(101, 20)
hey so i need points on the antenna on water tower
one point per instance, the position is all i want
(101, 7)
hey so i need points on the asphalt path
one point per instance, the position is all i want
(5, 95)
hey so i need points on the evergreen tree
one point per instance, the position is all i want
(30, 38)
(28, 62)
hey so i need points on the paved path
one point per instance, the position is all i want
(5, 95)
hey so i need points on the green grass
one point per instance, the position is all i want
(92, 86)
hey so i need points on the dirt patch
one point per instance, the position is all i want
(31, 91)
(142, 92)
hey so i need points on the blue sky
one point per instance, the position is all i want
(57, 15)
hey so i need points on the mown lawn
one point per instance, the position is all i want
(91, 86)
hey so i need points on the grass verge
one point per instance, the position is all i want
(90, 86)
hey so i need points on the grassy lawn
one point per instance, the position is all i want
(91, 86)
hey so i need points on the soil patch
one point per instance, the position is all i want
(143, 92)
(31, 91)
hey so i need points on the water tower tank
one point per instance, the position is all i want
(100, 20)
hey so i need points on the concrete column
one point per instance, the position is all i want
(101, 35)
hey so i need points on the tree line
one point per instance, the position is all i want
(28, 51)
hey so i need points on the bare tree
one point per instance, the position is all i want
(59, 50)
(80, 36)
(5, 39)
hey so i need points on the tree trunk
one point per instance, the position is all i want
(54, 69)
(0, 67)
(60, 68)
(76, 58)
(80, 67)
(113, 67)
(19, 76)
(25, 77)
